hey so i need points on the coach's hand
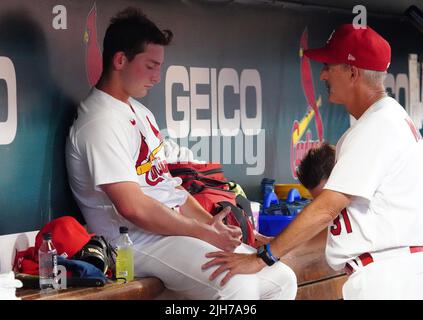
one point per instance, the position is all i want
(233, 263)
(261, 239)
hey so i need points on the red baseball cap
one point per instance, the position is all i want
(348, 44)
(68, 236)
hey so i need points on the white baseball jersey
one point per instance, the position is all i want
(379, 162)
(112, 142)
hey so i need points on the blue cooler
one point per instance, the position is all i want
(272, 225)
(276, 214)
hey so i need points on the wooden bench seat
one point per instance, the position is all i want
(139, 289)
(316, 280)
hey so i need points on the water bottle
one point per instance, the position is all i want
(47, 262)
(267, 186)
(124, 257)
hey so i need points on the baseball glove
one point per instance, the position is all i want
(99, 253)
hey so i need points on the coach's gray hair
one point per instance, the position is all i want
(374, 78)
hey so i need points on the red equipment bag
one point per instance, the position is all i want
(209, 173)
(214, 199)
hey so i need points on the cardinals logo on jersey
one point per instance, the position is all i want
(155, 131)
(414, 131)
(148, 162)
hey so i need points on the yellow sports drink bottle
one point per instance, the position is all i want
(124, 257)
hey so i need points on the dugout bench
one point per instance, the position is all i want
(316, 280)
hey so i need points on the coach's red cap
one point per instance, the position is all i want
(348, 44)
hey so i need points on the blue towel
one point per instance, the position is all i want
(81, 269)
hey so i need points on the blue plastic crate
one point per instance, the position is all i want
(272, 225)
(276, 214)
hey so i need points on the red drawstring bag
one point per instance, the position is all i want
(209, 173)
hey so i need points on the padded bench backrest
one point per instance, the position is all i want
(11, 243)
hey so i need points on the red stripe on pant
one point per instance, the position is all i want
(366, 258)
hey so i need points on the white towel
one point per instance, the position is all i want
(175, 153)
(8, 285)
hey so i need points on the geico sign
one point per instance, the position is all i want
(199, 95)
(8, 127)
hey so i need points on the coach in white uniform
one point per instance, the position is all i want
(119, 176)
(377, 178)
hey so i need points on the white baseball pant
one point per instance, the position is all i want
(177, 261)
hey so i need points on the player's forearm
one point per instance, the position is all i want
(313, 219)
(192, 209)
(152, 215)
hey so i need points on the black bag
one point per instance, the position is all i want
(99, 253)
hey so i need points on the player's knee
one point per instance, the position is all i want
(287, 280)
(241, 287)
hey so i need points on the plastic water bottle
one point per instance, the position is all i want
(124, 257)
(255, 210)
(47, 262)
(267, 186)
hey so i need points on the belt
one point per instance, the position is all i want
(367, 258)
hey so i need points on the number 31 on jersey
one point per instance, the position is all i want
(336, 228)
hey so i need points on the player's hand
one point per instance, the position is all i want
(232, 264)
(227, 237)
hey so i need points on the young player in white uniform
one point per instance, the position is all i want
(371, 199)
(119, 176)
